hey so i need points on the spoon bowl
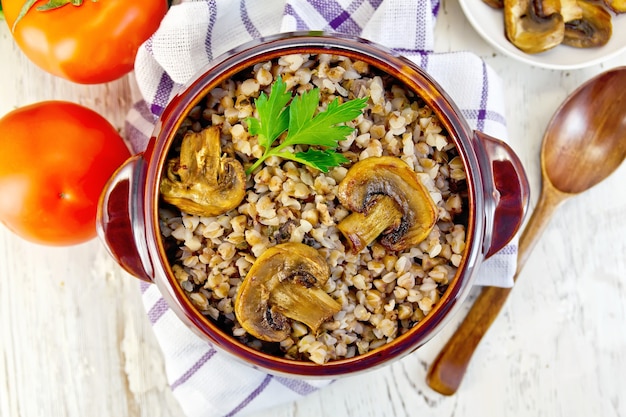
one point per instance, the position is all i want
(586, 139)
(584, 143)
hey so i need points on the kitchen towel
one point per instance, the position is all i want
(206, 382)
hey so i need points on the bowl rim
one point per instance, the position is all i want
(411, 75)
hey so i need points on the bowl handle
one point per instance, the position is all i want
(119, 224)
(509, 188)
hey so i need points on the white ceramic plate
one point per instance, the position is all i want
(489, 23)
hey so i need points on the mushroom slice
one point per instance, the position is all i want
(284, 283)
(361, 229)
(496, 4)
(389, 200)
(618, 6)
(571, 10)
(545, 8)
(593, 29)
(201, 181)
(529, 29)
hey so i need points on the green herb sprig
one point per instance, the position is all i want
(50, 5)
(280, 112)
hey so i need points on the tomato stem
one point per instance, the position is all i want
(55, 4)
(50, 5)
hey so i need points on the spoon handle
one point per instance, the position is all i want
(447, 371)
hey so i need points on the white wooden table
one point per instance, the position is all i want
(74, 339)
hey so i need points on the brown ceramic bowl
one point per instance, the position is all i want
(498, 193)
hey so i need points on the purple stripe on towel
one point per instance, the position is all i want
(300, 25)
(162, 96)
(148, 45)
(143, 286)
(252, 396)
(136, 138)
(296, 385)
(420, 36)
(194, 368)
(424, 61)
(245, 18)
(208, 41)
(435, 7)
(482, 113)
(142, 108)
(327, 8)
(158, 309)
(475, 114)
(410, 53)
(509, 249)
(338, 18)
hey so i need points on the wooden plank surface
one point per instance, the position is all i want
(75, 341)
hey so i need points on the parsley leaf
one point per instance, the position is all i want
(316, 158)
(273, 117)
(303, 126)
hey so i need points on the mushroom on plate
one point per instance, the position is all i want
(387, 198)
(529, 28)
(496, 4)
(201, 181)
(284, 284)
(618, 6)
(592, 28)
(569, 9)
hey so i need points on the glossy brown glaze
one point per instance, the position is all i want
(115, 221)
(143, 198)
(584, 143)
(510, 188)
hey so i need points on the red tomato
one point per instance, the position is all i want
(93, 43)
(55, 159)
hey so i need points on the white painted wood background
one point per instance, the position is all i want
(75, 342)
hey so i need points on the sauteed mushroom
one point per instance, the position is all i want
(496, 4)
(618, 6)
(284, 283)
(594, 28)
(389, 200)
(537, 25)
(201, 181)
(571, 10)
(529, 29)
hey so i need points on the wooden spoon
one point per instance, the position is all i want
(584, 143)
